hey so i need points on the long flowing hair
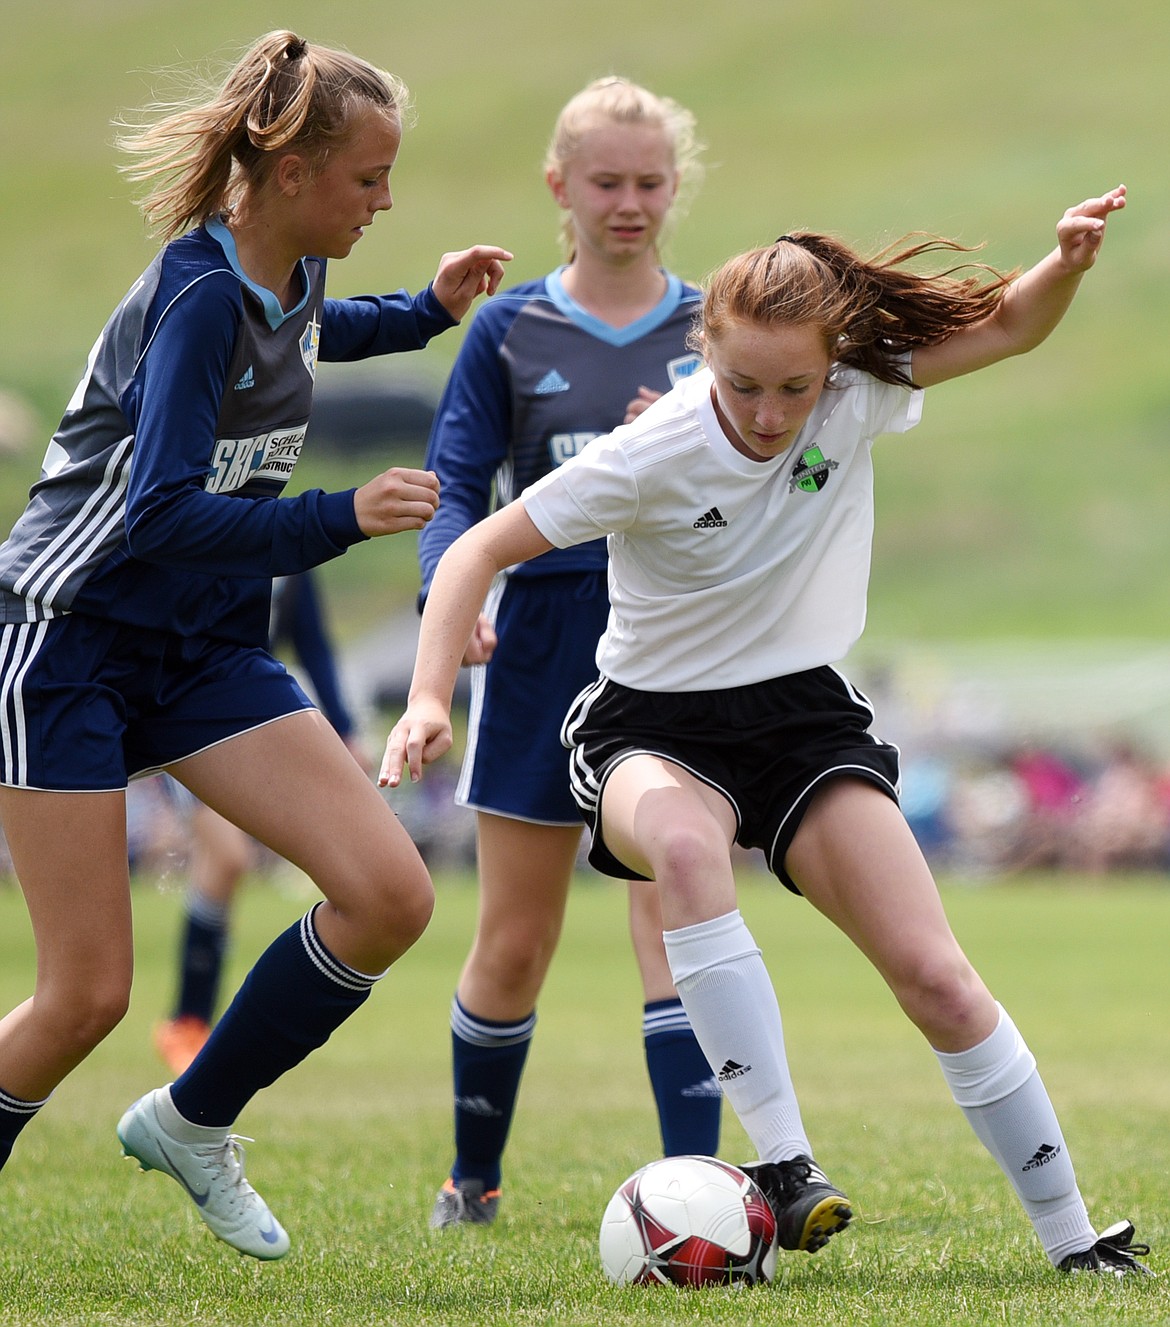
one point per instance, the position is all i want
(871, 312)
(283, 94)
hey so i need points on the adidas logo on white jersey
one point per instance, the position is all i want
(710, 520)
(550, 383)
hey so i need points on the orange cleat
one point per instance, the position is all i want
(179, 1040)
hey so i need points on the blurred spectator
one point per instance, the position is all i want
(1124, 822)
(1053, 793)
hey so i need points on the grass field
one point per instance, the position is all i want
(351, 1145)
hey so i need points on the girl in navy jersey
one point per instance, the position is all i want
(544, 368)
(739, 513)
(134, 592)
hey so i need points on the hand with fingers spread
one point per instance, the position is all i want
(1082, 228)
(465, 275)
(396, 500)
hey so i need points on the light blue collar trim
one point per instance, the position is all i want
(615, 336)
(273, 313)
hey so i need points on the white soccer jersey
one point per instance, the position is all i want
(723, 570)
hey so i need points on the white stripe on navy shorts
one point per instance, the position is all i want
(86, 704)
(514, 764)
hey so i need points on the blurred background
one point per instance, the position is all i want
(1017, 646)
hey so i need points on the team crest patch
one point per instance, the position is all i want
(683, 367)
(811, 472)
(310, 340)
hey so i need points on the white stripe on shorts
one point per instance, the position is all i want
(18, 648)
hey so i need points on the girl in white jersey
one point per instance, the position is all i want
(739, 515)
(134, 602)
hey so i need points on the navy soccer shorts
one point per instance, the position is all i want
(548, 629)
(766, 747)
(87, 704)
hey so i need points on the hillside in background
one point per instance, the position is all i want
(1031, 502)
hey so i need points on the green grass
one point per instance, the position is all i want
(351, 1145)
(1027, 504)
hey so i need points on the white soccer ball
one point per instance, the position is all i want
(688, 1221)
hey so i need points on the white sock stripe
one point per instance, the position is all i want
(329, 964)
(15, 1106)
(665, 1020)
(470, 1029)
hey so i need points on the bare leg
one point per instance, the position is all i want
(856, 861)
(524, 876)
(69, 851)
(221, 854)
(293, 785)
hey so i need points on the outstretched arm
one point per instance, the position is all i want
(461, 583)
(1032, 305)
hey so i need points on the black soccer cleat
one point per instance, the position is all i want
(1112, 1255)
(808, 1209)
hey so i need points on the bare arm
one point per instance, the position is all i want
(461, 583)
(1032, 306)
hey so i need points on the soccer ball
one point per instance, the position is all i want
(688, 1221)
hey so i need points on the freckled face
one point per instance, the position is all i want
(341, 199)
(767, 381)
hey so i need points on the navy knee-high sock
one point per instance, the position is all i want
(14, 1115)
(488, 1060)
(201, 957)
(688, 1097)
(289, 1004)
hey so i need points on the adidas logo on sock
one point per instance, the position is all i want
(550, 383)
(707, 1088)
(710, 520)
(480, 1106)
(1044, 1155)
(732, 1070)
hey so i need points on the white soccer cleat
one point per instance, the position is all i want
(211, 1172)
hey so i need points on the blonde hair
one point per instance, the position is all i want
(623, 102)
(282, 95)
(870, 312)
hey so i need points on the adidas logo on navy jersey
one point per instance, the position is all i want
(710, 520)
(551, 382)
(247, 380)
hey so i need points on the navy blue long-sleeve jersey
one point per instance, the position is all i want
(159, 501)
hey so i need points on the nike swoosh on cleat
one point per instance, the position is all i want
(199, 1199)
(271, 1235)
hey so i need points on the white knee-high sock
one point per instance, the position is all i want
(998, 1089)
(726, 992)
